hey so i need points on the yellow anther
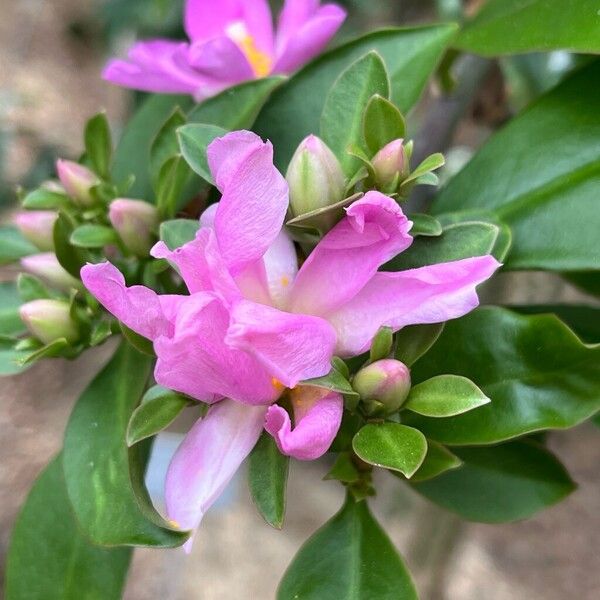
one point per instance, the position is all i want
(285, 280)
(175, 524)
(260, 62)
(277, 384)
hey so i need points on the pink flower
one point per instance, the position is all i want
(230, 41)
(255, 323)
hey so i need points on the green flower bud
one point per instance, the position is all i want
(384, 385)
(134, 221)
(37, 226)
(390, 165)
(77, 180)
(47, 267)
(49, 320)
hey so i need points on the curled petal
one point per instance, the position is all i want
(208, 458)
(220, 59)
(317, 416)
(431, 294)
(372, 232)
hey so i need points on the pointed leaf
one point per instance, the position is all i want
(44, 199)
(438, 460)
(13, 245)
(98, 144)
(165, 144)
(382, 123)
(177, 232)
(194, 140)
(333, 381)
(93, 236)
(414, 341)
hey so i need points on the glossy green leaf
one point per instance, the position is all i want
(159, 408)
(294, 110)
(59, 347)
(431, 163)
(44, 199)
(177, 232)
(414, 341)
(139, 342)
(343, 469)
(93, 236)
(31, 288)
(50, 559)
(13, 245)
(171, 181)
(425, 225)
(10, 301)
(100, 479)
(545, 192)
(98, 144)
(342, 117)
(445, 396)
(458, 241)
(534, 369)
(267, 478)
(438, 460)
(165, 145)
(381, 345)
(382, 123)
(502, 483)
(71, 258)
(194, 140)
(333, 381)
(391, 446)
(519, 26)
(349, 558)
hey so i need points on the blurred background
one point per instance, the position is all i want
(51, 55)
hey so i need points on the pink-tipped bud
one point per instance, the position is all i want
(390, 165)
(77, 181)
(383, 384)
(135, 221)
(37, 226)
(47, 267)
(49, 320)
(315, 177)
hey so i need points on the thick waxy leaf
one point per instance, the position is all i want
(458, 240)
(342, 117)
(194, 139)
(500, 483)
(70, 257)
(391, 446)
(93, 236)
(294, 110)
(43, 199)
(415, 340)
(165, 145)
(382, 123)
(438, 460)
(445, 396)
(518, 26)
(333, 381)
(178, 232)
(343, 469)
(349, 558)
(171, 181)
(50, 559)
(139, 342)
(537, 373)
(540, 175)
(13, 245)
(159, 408)
(10, 301)
(98, 144)
(100, 479)
(425, 225)
(267, 478)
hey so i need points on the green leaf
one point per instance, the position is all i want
(382, 123)
(139, 342)
(588, 281)
(10, 301)
(71, 258)
(177, 232)
(11, 360)
(349, 558)
(193, 141)
(13, 245)
(546, 193)
(132, 155)
(538, 374)
(294, 110)
(343, 469)
(171, 181)
(98, 144)
(445, 396)
(100, 480)
(381, 345)
(518, 26)
(391, 446)
(31, 288)
(438, 460)
(414, 341)
(92, 236)
(333, 381)
(44, 199)
(267, 478)
(341, 120)
(425, 225)
(500, 483)
(50, 559)
(431, 163)
(165, 144)
(59, 347)
(458, 241)
(159, 408)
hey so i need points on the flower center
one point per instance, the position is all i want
(259, 61)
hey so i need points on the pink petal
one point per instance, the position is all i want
(290, 347)
(220, 59)
(317, 416)
(300, 41)
(196, 360)
(281, 265)
(372, 232)
(255, 198)
(431, 294)
(208, 458)
(138, 307)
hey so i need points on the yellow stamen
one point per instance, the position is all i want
(277, 384)
(285, 281)
(174, 524)
(260, 62)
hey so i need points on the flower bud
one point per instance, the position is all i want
(315, 177)
(47, 267)
(384, 383)
(37, 226)
(390, 165)
(134, 221)
(49, 320)
(77, 181)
